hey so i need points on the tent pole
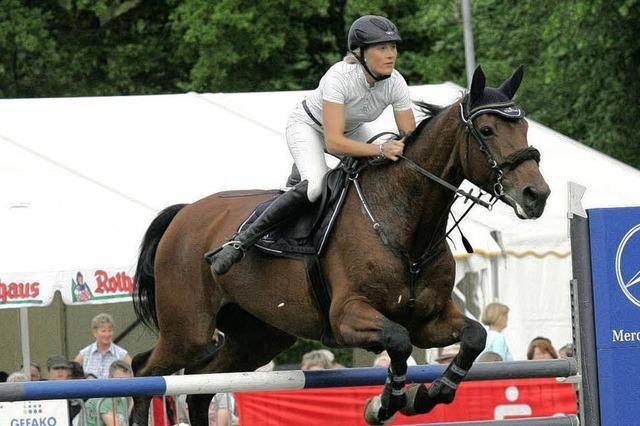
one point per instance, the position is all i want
(24, 338)
(469, 50)
(495, 282)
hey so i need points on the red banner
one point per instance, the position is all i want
(481, 400)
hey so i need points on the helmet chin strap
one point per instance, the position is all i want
(363, 62)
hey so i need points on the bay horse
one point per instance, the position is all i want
(383, 296)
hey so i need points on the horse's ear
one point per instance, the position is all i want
(510, 85)
(477, 85)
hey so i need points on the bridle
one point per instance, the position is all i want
(511, 162)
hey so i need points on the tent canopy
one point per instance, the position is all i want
(85, 176)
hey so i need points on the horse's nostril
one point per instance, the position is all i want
(530, 195)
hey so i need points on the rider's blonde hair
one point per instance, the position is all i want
(350, 58)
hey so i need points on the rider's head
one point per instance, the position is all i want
(372, 40)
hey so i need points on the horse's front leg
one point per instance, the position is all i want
(472, 336)
(358, 324)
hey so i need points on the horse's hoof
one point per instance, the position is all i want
(371, 411)
(411, 391)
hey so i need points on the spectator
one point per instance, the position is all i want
(331, 357)
(58, 368)
(77, 372)
(3, 376)
(489, 357)
(448, 353)
(318, 359)
(222, 410)
(75, 405)
(496, 316)
(541, 348)
(566, 351)
(111, 409)
(383, 360)
(90, 376)
(36, 374)
(98, 356)
(17, 376)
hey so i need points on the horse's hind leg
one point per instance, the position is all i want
(472, 336)
(249, 343)
(359, 324)
(175, 349)
(167, 357)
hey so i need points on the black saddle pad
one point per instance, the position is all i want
(308, 233)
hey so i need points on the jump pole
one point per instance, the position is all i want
(529, 421)
(269, 381)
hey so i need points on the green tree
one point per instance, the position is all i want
(579, 59)
(85, 48)
(116, 47)
(253, 45)
(28, 52)
(593, 52)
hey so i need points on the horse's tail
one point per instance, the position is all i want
(144, 294)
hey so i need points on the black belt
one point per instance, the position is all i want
(306, 108)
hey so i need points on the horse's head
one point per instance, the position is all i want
(496, 155)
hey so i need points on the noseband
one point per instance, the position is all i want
(513, 160)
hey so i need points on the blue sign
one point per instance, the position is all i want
(615, 269)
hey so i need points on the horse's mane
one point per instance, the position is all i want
(430, 111)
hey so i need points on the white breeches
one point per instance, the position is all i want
(306, 144)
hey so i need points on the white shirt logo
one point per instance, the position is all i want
(627, 273)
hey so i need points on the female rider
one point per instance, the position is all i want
(352, 92)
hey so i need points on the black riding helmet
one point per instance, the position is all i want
(368, 30)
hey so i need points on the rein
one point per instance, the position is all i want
(511, 162)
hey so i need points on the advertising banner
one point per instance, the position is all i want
(481, 400)
(89, 286)
(615, 260)
(34, 413)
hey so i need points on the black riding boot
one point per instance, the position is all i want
(286, 206)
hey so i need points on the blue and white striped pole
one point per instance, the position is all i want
(269, 381)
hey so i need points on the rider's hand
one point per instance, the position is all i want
(391, 149)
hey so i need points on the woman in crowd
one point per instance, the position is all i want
(541, 348)
(98, 356)
(496, 317)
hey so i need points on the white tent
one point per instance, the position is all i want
(83, 177)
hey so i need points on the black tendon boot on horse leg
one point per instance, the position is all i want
(381, 408)
(421, 400)
(286, 206)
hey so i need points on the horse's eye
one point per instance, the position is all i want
(486, 131)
